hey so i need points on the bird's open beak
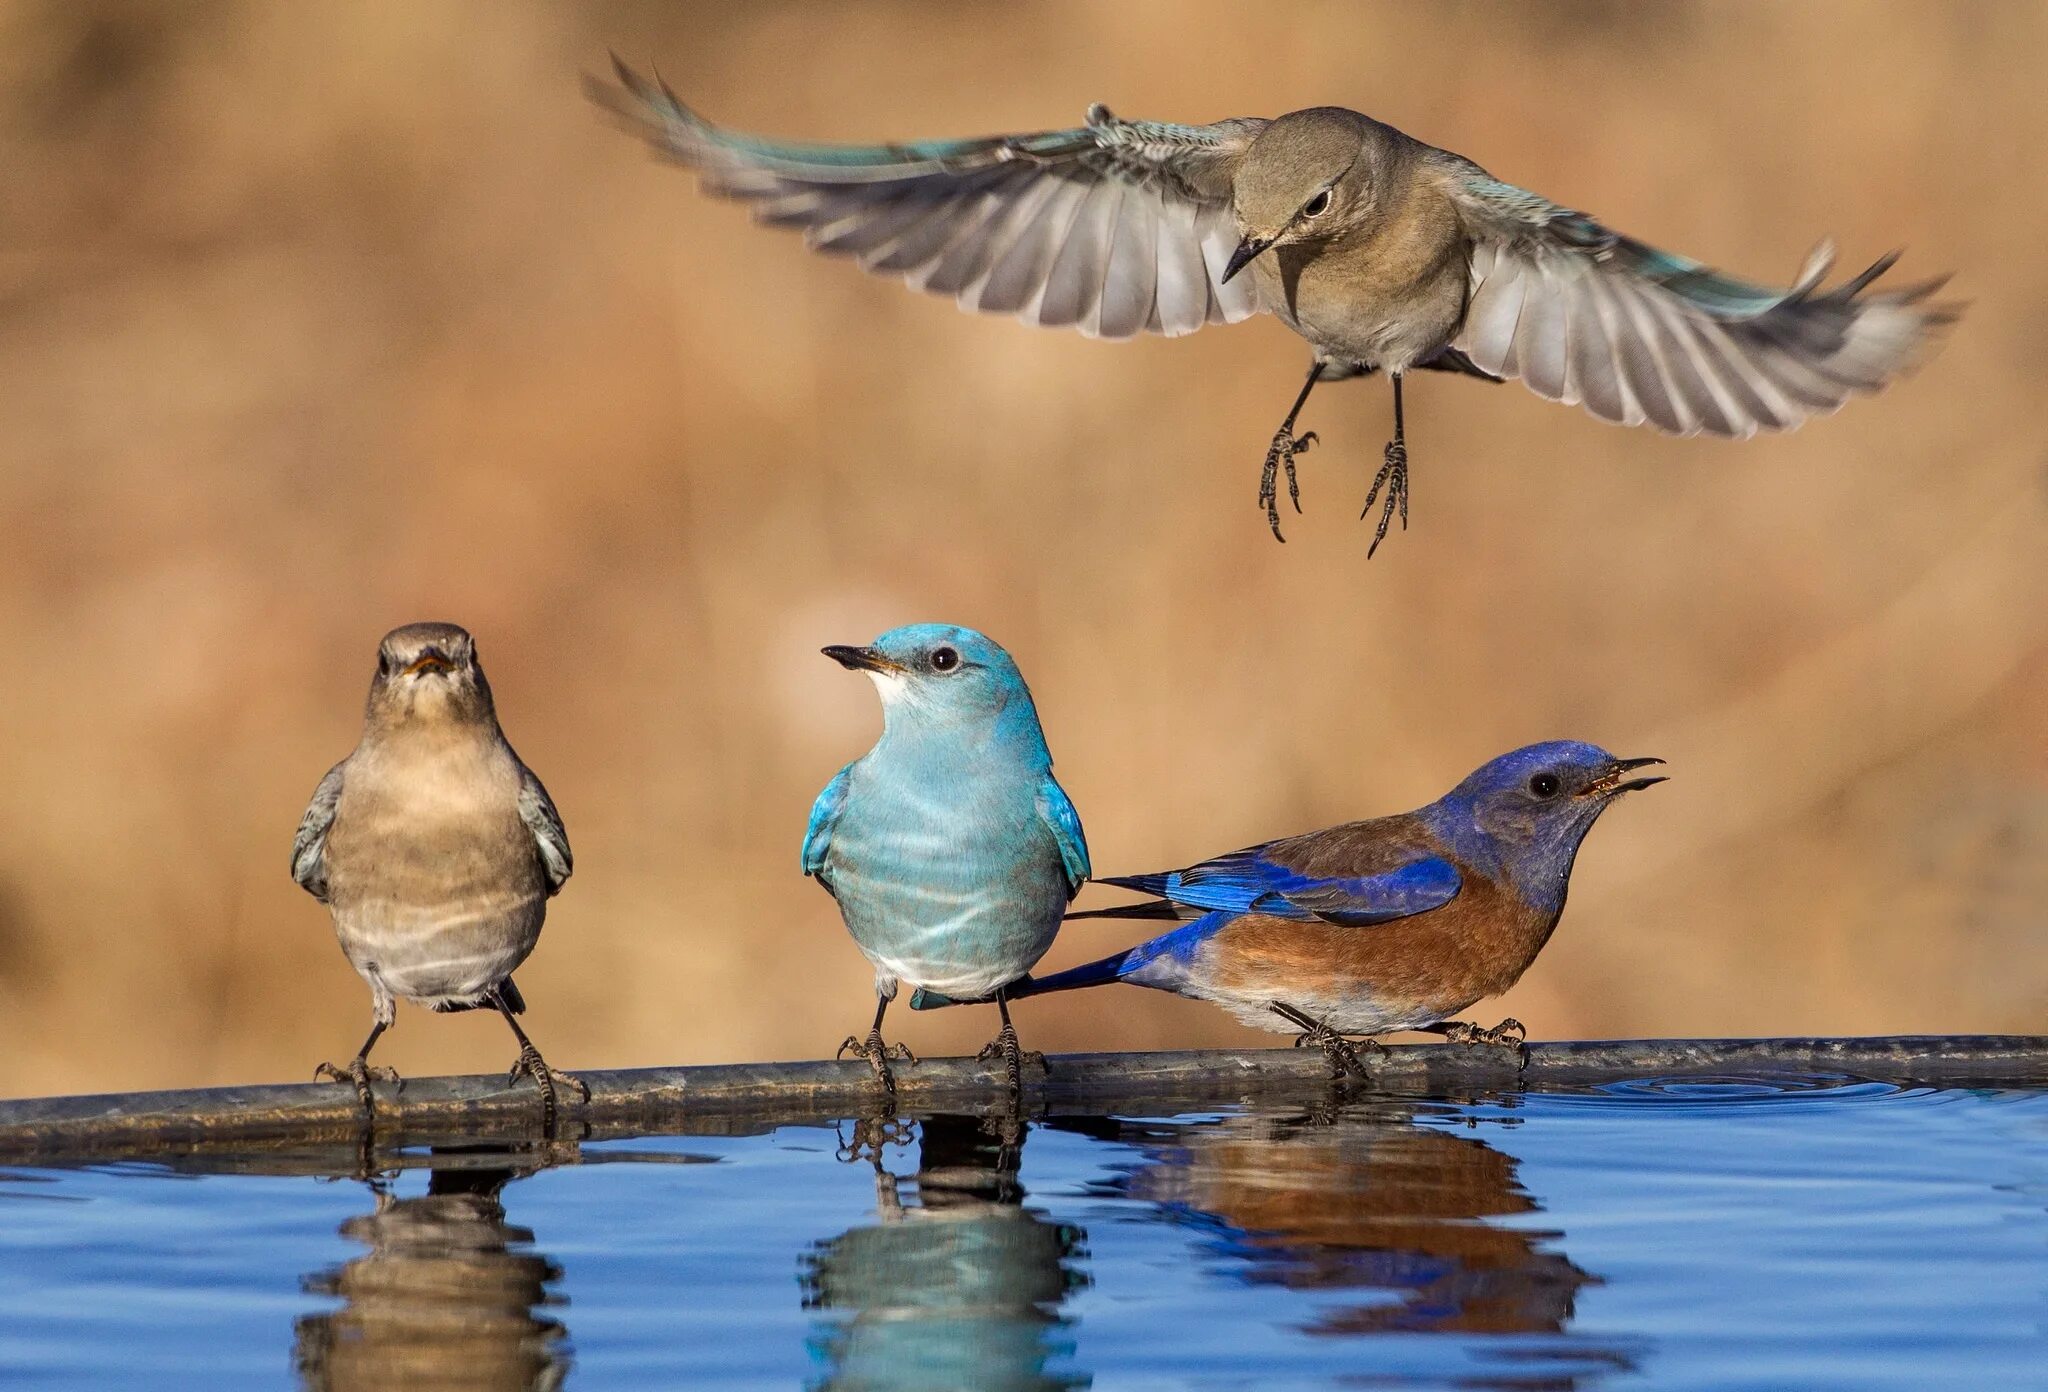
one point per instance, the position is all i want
(432, 660)
(1610, 784)
(1247, 252)
(861, 659)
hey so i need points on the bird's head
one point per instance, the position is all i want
(1307, 177)
(1530, 809)
(428, 671)
(940, 675)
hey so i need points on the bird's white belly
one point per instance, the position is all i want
(450, 952)
(1351, 1013)
(935, 905)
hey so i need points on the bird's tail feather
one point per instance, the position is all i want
(1150, 908)
(514, 1002)
(1093, 974)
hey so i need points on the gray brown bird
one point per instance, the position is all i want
(435, 848)
(1386, 254)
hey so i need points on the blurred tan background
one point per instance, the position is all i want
(314, 320)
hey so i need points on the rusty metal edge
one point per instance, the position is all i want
(737, 1098)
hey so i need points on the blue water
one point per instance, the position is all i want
(1768, 1235)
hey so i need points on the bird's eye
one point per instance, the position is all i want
(944, 659)
(1544, 785)
(1317, 206)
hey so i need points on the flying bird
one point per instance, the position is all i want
(435, 849)
(1385, 253)
(950, 847)
(1397, 923)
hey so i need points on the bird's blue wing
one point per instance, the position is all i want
(1060, 818)
(1249, 882)
(824, 814)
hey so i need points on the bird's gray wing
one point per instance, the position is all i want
(1589, 317)
(537, 810)
(1114, 227)
(309, 847)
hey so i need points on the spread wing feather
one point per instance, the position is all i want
(1113, 227)
(1590, 317)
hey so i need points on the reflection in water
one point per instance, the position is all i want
(961, 1289)
(1395, 1215)
(446, 1297)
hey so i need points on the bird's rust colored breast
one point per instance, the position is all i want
(1477, 945)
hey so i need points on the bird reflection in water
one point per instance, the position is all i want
(447, 1297)
(1394, 1218)
(957, 1285)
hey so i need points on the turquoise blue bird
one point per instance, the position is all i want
(952, 851)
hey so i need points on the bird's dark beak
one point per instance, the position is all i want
(1247, 252)
(1610, 783)
(432, 660)
(861, 659)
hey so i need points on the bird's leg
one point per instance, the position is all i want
(359, 1072)
(1336, 1048)
(1286, 444)
(875, 1051)
(1508, 1034)
(1393, 476)
(1004, 1046)
(531, 1065)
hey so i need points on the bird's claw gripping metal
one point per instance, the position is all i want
(1280, 454)
(877, 1054)
(1004, 1046)
(531, 1065)
(1393, 476)
(1508, 1034)
(1342, 1057)
(360, 1072)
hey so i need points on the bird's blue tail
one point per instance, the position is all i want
(1093, 974)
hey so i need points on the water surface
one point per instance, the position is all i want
(1734, 1233)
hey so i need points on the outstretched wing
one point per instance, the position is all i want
(1114, 227)
(537, 810)
(818, 834)
(1252, 881)
(1589, 317)
(309, 847)
(1056, 810)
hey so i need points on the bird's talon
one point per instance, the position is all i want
(360, 1075)
(877, 1055)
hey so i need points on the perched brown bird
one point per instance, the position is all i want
(1386, 254)
(436, 849)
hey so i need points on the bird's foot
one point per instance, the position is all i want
(360, 1072)
(1338, 1050)
(1508, 1034)
(878, 1055)
(1393, 476)
(531, 1065)
(1286, 444)
(1004, 1046)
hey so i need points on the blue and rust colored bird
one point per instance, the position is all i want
(1397, 923)
(952, 851)
(1384, 253)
